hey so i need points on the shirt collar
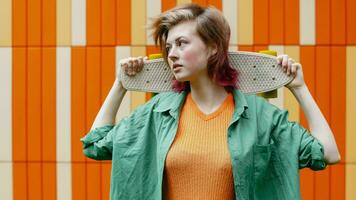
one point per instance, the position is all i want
(174, 102)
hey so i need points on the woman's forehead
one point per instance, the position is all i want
(184, 29)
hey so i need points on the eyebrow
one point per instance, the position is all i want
(178, 38)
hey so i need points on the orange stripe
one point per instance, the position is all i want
(93, 22)
(49, 122)
(307, 58)
(93, 181)
(338, 118)
(34, 180)
(257, 48)
(49, 23)
(245, 48)
(350, 21)
(291, 22)
(49, 172)
(19, 22)
(19, 114)
(78, 120)
(34, 103)
(260, 22)
(49, 103)
(322, 21)
(34, 16)
(108, 22)
(167, 4)
(19, 110)
(276, 21)
(93, 102)
(338, 23)
(123, 22)
(322, 97)
(79, 180)
(216, 3)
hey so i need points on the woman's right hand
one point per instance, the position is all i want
(131, 66)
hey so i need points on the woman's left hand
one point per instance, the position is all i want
(292, 68)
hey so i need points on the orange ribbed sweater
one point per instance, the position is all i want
(198, 164)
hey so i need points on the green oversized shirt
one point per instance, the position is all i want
(266, 150)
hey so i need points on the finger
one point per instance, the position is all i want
(285, 60)
(130, 66)
(290, 63)
(135, 66)
(141, 63)
(279, 59)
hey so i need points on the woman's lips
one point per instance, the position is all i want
(176, 65)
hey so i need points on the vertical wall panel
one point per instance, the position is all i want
(216, 3)
(108, 22)
(63, 121)
(338, 22)
(307, 22)
(49, 22)
(350, 22)
(168, 4)
(19, 23)
(93, 22)
(350, 104)
(180, 2)
(6, 182)
(153, 9)
(6, 104)
(78, 18)
(34, 22)
(229, 10)
(20, 180)
(78, 121)
(64, 22)
(322, 21)
(138, 20)
(276, 21)
(260, 22)
(123, 22)
(5, 23)
(245, 22)
(291, 22)
(350, 181)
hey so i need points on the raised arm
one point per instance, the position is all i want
(318, 125)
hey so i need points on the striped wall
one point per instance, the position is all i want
(57, 63)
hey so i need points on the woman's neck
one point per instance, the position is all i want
(207, 95)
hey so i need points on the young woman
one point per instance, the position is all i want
(207, 140)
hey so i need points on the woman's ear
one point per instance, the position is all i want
(213, 49)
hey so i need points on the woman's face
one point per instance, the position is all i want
(186, 53)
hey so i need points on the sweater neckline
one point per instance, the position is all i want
(215, 113)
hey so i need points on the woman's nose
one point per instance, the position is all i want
(172, 54)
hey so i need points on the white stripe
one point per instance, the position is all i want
(229, 10)
(279, 100)
(64, 181)
(307, 22)
(79, 22)
(63, 128)
(153, 9)
(6, 190)
(124, 110)
(6, 104)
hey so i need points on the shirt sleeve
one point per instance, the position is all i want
(98, 143)
(293, 139)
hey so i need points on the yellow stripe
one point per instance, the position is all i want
(245, 22)
(64, 13)
(290, 103)
(138, 20)
(137, 98)
(5, 23)
(350, 104)
(350, 181)
(180, 2)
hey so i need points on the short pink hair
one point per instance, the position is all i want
(212, 28)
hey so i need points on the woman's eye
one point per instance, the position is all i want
(168, 48)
